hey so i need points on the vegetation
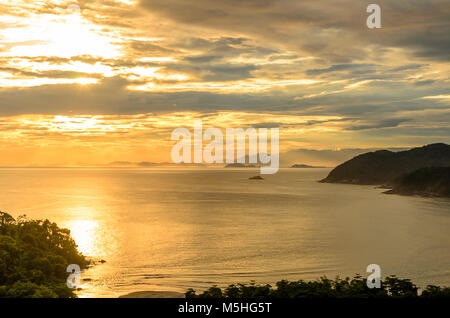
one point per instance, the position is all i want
(383, 167)
(391, 287)
(34, 255)
(430, 181)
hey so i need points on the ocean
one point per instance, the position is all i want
(170, 230)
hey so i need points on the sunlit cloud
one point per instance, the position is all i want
(444, 97)
(229, 87)
(7, 81)
(105, 79)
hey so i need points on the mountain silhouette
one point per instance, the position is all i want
(430, 182)
(384, 166)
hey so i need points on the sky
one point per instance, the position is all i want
(91, 82)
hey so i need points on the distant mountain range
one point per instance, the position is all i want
(324, 157)
(148, 164)
(310, 157)
(385, 167)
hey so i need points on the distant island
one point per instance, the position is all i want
(414, 171)
(300, 165)
(241, 165)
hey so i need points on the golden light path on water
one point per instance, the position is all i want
(84, 233)
(170, 230)
(89, 231)
(94, 240)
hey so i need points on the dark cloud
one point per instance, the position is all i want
(407, 67)
(219, 44)
(222, 48)
(267, 125)
(337, 68)
(226, 72)
(425, 82)
(149, 47)
(111, 96)
(387, 123)
(335, 30)
(202, 58)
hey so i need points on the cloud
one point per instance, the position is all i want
(387, 123)
(50, 74)
(337, 68)
(267, 125)
(339, 28)
(149, 47)
(314, 59)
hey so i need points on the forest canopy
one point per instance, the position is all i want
(356, 287)
(34, 255)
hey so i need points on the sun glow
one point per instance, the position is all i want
(84, 232)
(63, 35)
(73, 125)
(63, 123)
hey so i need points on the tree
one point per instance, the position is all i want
(34, 255)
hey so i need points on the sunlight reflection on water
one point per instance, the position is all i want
(172, 230)
(84, 232)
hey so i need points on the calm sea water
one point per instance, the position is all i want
(176, 229)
